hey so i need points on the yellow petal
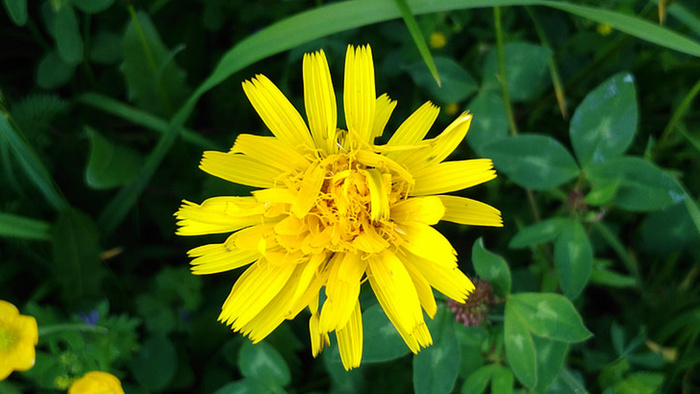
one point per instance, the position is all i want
(269, 150)
(253, 291)
(428, 243)
(253, 237)
(437, 149)
(383, 109)
(342, 291)
(452, 175)
(311, 279)
(238, 168)
(450, 281)
(318, 339)
(416, 126)
(350, 339)
(278, 114)
(360, 96)
(471, 212)
(216, 215)
(274, 195)
(309, 192)
(397, 295)
(370, 241)
(379, 189)
(371, 159)
(428, 210)
(215, 258)
(425, 292)
(319, 100)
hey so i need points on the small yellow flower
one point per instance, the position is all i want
(96, 382)
(334, 210)
(18, 336)
(437, 40)
(451, 108)
(604, 29)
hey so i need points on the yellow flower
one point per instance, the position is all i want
(437, 40)
(334, 208)
(18, 336)
(96, 382)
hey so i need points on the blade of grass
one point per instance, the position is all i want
(333, 18)
(142, 118)
(32, 165)
(619, 248)
(677, 115)
(17, 226)
(418, 38)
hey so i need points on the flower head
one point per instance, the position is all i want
(18, 336)
(334, 209)
(97, 382)
(473, 312)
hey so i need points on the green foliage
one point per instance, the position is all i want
(601, 222)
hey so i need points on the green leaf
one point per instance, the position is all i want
(263, 363)
(418, 38)
(520, 349)
(605, 123)
(457, 84)
(640, 383)
(155, 82)
(490, 122)
(435, 368)
(601, 275)
(603, 192)
(157, 314)
(668, 230)
(76, 264)
(643, 186)
(477, 382)
(105, 48)
(110, 165)
(385, 343)
(246, 386)
(526, 70)
(92, 6)
(17, 10)
(550, 359)
(67, 35)
(491, 267)
(53, 72)
(155, 365)
(548, 315)
(16, 226)
(502, 380)
(573, 259)
(544, 231)
(533, 161)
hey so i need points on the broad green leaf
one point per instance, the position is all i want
(643, 186)
(477, 382)
(76, 264)
(31, 164)
(603, 192)
(533, 161)
(384, 343)
(457, 84)
(67, 35)
(17, 10)
(490, 122)
(550, 359)
(105, 48)
(247, 386)
(410, 21)
(435, 368)
(92, 6)
(573, 259)
(502, 380)
(491, 267)
(548, 315)
(155, 365)
(53, 72)
(605, 123)
(640, 383)
(544, 231)
(155, 82)
(668, 230)
(525, 69)
(16, 226)
(263, 363)
(110, 165)
(520, 348)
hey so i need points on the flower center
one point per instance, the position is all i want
(7, 337)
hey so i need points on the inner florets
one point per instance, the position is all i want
(7, 338)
